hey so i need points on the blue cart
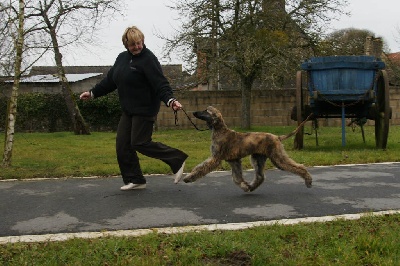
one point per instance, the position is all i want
(343, 87)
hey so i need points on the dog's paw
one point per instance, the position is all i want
(188, 179)
(245, 186)
(308, 183)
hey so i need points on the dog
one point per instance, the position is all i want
(232, 146)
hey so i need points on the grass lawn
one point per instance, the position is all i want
(368, 241)
(64, 154)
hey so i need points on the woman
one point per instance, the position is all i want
(141, 85)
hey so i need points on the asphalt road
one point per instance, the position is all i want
(97, 204)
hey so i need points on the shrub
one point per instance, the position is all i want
(39, 112)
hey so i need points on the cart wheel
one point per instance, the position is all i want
(383, 111)
(298, 139)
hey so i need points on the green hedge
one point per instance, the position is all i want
(39, 112)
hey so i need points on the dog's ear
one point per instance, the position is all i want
(210, 109)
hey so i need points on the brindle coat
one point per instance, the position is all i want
(232, 146)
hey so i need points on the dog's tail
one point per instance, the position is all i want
(283, 137)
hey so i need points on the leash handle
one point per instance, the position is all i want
(176, 119)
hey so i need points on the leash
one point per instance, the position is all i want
(176, 119)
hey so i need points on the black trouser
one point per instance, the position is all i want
(134, 135)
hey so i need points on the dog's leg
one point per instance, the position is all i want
(281, 160)
(237, 175)
(258, 163)
(202, 169)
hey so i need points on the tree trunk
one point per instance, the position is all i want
(12, 103)
(246, 102)
(78, 122)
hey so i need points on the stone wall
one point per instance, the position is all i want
(268, 108)
(395, 104)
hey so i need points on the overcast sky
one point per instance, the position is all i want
(379, 16)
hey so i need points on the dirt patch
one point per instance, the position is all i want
(235, 258)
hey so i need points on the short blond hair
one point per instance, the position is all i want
(132, 35)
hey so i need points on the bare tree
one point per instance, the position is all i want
(247, 37)
(34, 40)
(66, 22)
(13, 59)
(12, 104)
(7, 47)
(29, 31)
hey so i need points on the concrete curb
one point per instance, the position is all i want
(184, 229)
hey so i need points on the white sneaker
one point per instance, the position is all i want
(132, 186)
(179, 174)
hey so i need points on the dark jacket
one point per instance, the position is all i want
(140, 82)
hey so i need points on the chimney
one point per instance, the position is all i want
(373, 46)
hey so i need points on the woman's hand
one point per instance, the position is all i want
(85, 95)
(176, 105)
